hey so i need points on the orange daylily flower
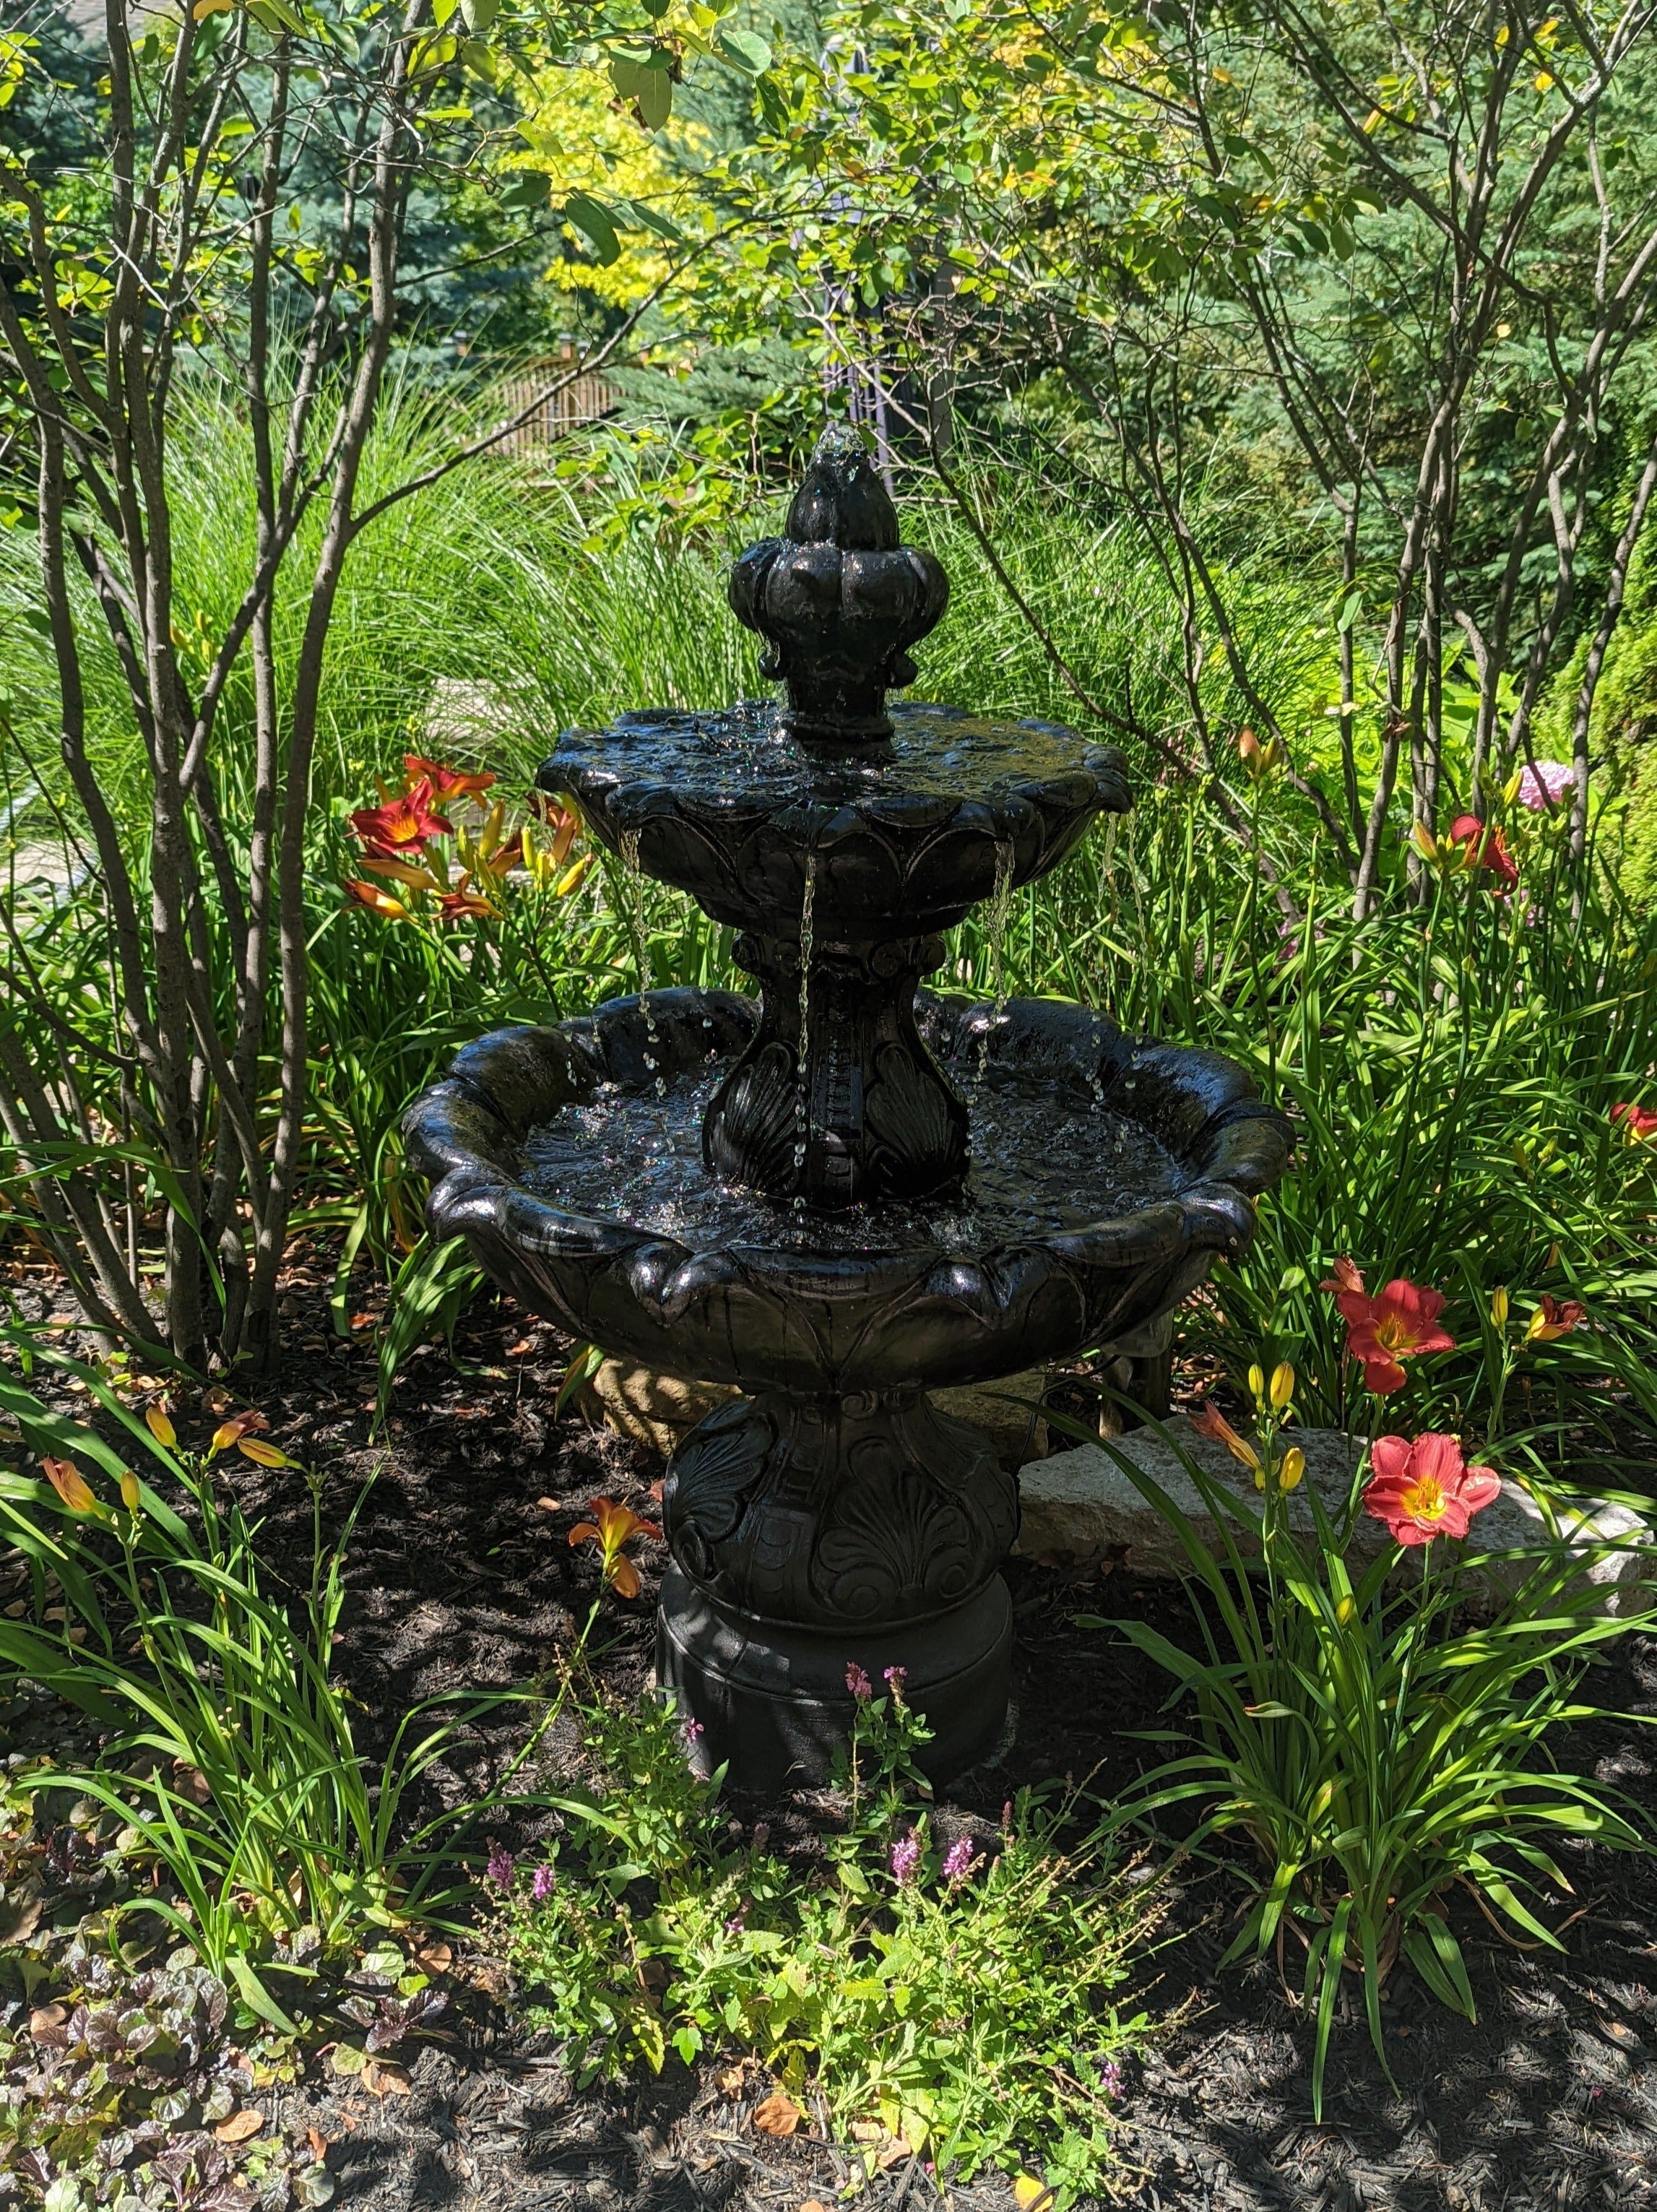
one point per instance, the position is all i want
(1399, 1323)
(250, 1423)
(458, 904)
(1208, 1421)
(611, 1527)
(1425, 1489)
(70, 1484)
(379, 902)
(564, 822)
(402, 825)
(1554, 1318)
(445, 782)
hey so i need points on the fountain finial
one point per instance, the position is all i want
(838, 600)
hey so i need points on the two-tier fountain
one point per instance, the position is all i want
(846, 1193)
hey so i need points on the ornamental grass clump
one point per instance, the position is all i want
(226, 1744)
(1378, 1749)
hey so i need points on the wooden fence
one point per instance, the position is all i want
(587, 398)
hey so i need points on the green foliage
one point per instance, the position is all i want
(1376, 1750)
(225, 1744)
(968, 2010)
(112, 2098)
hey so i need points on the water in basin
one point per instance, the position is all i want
(1039, 1163)
(743, 755)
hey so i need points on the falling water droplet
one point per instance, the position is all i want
(803, 1076)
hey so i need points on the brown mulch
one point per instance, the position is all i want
(463, 1577)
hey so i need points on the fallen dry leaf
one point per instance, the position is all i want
(433, 1958)
(20, 1917)
(549, 1504)
(240, 2127)
(1032, 2196)
(867, 2131)
(319, 2143)
(814, 2204)
(729, 2083)
(892, 2152)
(516, 1350)
(47, 2016)
(191, 1782)
(383, 2077)
(779, 2115)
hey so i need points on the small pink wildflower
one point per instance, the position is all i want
(540, 1886)
(894, 1678)
(737, 1922)
(500, 1865)
(691, 1730)
(959, 1861)
(858, 1682)
(761, 1834)
(906, 1859)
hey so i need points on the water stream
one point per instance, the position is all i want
(803, 1082)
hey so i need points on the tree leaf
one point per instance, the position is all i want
(595, 224)
(745, 50)
(778, 2115)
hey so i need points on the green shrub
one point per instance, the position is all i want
(963, 2001)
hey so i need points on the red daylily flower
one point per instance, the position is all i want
(445, 782)
(1638, 1120)
(1485, 849)
(611, 1528)
(402, 825)
(1554, 1318)
(1425, 1488)
(1380, 1332)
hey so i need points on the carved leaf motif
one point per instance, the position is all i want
(713, 1473)
(908, 1109)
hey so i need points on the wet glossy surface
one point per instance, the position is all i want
(1039, 1164)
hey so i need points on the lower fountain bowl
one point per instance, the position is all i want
(715, 1284)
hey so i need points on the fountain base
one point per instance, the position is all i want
(772, 1702)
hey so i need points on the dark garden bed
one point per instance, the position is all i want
(462, 1576)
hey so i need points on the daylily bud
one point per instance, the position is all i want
(130, 1492)
(1293, 1467)
(1257, 1385)
(1424, 841)
(574, 878)
(160, 1427)
(261, 1453)
(1282, 1384)
(1499, 1307)
(1345, 1610)
(1510, 789)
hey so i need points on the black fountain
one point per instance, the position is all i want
(847, 1192)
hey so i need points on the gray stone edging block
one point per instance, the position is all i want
(1080, 1507)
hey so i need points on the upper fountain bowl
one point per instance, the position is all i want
(733, 810)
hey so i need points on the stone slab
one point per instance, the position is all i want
(1080, 1508)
